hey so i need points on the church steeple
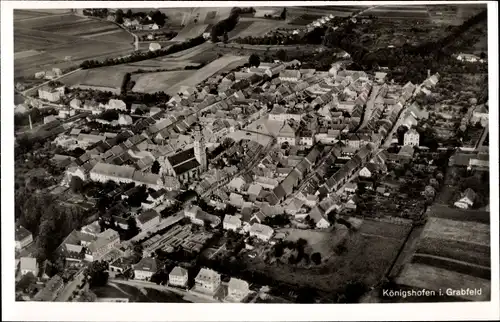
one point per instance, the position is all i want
(199, 148)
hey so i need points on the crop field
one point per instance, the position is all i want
(205, 72)
(475, 233)
(161, 81)
(189, 53)
(398, 12)
(190, 31)
(305, 19)
(105, 77)
(453, 265)
(27, 14)
(240, 27)
(63, 41)
(261, 27)
(457, 250)
(445, 212)
(432, 278)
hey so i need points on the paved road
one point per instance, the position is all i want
(186, 294)
(71, 287)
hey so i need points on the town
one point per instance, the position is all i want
(299, 163)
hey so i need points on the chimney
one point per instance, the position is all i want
(31, 124)
(428, 73)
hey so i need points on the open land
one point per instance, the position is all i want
(161, 81)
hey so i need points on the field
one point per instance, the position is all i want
(64, 40)
(474, 233)
(260, 27)
(367, 259)
(240, 27)
(304, 19)
(161, 81)
(228, 61)
(105, 78)
(431, 278)
(319, 241)
(190, 31)
(398, 12)
(189, 53)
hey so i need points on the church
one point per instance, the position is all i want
(188, 164)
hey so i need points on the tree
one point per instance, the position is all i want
(76, 184)
(155, 168)
(129, 13)
(119, 16)
(281, 55)
(283, 14)
(87, 296)
(254, 60)
(97, 274)
(132, 229)
(25, 282)
(316, 258)
(225, 38)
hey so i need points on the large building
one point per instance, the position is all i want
(178, 277)
(51, 94)
(23, 237)
(145, 268)
(207, 281)
(103, 172)
(412, 138)
(106, 241)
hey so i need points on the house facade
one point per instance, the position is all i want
(207, 281)
(145, 269)
(412, 138)
(178, 277)
(23, 237)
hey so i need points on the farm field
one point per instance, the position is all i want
(474, 233)
(472, 215)
(161, 81)
(27, 14)
(240, 27)
(431, 278)
(64, 40)
(260, 27)
(105, 78)
(190, 31)
(453, 265)
(395, 12)
(154, 64)
(205, 72)
(189, 53)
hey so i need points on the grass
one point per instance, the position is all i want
(109, 77)
(161, 81)
(453, 265)
(431, 278)
(135, 295)
(470, 215)
(241, 26)
(323, 242)
(367, 259)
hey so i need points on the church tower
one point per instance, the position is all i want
(199, 149)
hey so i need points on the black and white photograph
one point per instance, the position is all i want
(250, 153)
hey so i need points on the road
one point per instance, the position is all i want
(370, 106)
(26, 92)
(70, 287)
(164, 288)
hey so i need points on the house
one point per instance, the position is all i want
(51, 290)
(184, 165)
(380, 77)
(318, 216)
(124, 119)
(286, 134)
(369, 170)
(207, 281)
(480, 115)
(351, 187)
(261, 231)
(237, 290)
(145, 269)
(114, 104)
(236, 184)
(48, 119)
(231, 223)
(406, 152)
(200, 217)
(288, 75)
(412, 138)
(51, 94)
(178, 277)
(468, 58)
(105, 242)
(92, 229)
(28, 265)
(23, 237)
(148, 219)
(467, 200)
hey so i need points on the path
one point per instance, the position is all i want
(26, 92)
(70, 287)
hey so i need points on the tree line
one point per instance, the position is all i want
(140, 56)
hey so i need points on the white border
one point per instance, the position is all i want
(29, 311)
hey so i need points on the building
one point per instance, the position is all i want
(262, 232)
(231, 223)
(51, 290)
(145, 269)
(23, 237)
(199, 149)
(412, 138)
(114, 104)
(287, 134)
(106, 241)
(469, 58)
(51, 94)
(467, 199)
(183, 165)
(178, 277)
(288, 75)
(200, 217)
(48, 119)
(103, 172)
(237, 290)
(207, 281)
(28, 265)
(380, 77)
(154, 46)
(148, 219)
